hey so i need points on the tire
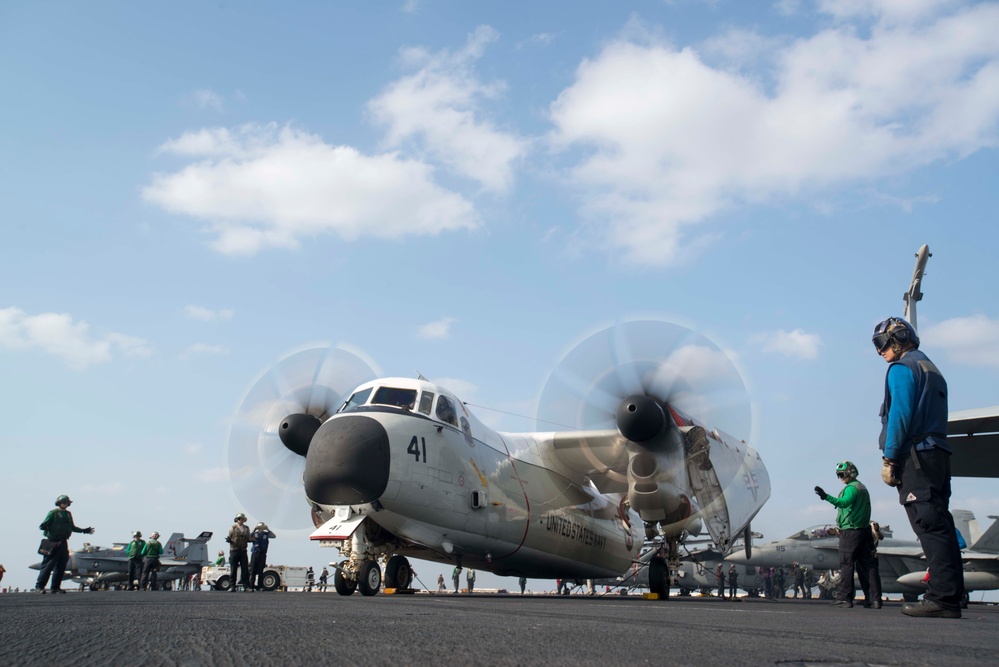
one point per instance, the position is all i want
(397, 573)
(270, 580)
(342, 584)
(369, 578)
(166, 586)
(222, 583)
(659, 577)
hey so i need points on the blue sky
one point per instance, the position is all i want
(189, 191)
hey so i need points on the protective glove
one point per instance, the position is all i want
(89, 530)
(820, 493)
(228, 540)
(890, 473)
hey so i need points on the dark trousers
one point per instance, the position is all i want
(929, 515)
(733, 582)
(134, 572)
(257, 563)
(150, 567)
(721, 585)
(237, 560)
(856, 554)
(54, 565)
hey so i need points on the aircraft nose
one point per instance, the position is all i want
(347, 462)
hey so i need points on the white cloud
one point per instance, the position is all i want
(199, 349)
(669, 141)
(437, 109)
(797, 343)
(972, 340)
(262, 186)
(205, 98)
(436, 330)
(59, 335)
(207, 314)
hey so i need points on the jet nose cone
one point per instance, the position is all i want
(737, 557)
(347, 462)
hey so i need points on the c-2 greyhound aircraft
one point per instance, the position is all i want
(394, 467)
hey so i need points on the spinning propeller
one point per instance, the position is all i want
(285, 404)
(638, 378)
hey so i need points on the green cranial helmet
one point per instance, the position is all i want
(846, 470)
(137, 534)
(63, 499)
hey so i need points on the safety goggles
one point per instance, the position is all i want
(841, 475)
(881, 341)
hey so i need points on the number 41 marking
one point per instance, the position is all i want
(414, 448)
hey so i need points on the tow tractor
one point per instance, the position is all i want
(275, 577)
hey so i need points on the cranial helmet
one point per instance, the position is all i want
(894, 329)
(261, 526)
(847, 470)
(240, 516)
(154, 535)
(137, 534)
(63, 499)
(221, 553)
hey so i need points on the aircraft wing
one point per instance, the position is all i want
(974, 437)
(600, 456)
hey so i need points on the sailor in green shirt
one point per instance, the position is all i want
(151, 561)
(134, 553)
(856, 547)
(57, 526)
(220, 561)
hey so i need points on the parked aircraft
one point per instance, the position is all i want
(101, 567)
(397, 467)
(900, 562)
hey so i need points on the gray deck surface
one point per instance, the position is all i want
(211, 628)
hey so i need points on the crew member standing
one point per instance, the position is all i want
(238, 538)
(151, 561)
(261, 537)
(853, 518)
(470, 579)
(220, 561)
(720, 576)
(733, 580)
(916, 459)
(58, 526)
(134, 553)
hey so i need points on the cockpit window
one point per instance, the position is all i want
(445, 411)
(401, 398)
(358, 398)
(426, 400)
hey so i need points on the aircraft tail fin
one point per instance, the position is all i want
(192, 549)
(967, 525)
(989, 541)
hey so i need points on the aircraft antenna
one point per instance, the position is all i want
(913, 295)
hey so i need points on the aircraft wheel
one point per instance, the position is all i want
(369, 578)
(222, 583)
(397, 573)
(342, 584)
(659, 577)
(270, 580)
(166, 586)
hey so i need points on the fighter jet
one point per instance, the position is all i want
(102, 567)
(900, 562)
(395, 467)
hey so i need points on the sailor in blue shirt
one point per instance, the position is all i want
(916, 460)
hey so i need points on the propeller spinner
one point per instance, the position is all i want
(273, 426)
